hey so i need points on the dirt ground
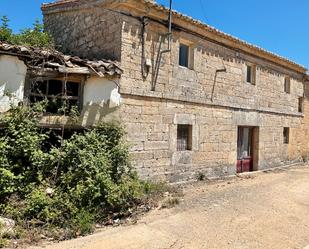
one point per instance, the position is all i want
(264, 210)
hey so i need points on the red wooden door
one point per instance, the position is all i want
(244, 149)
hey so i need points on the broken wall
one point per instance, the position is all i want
(100, 99)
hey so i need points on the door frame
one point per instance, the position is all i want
(254, 149)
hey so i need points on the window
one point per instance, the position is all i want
(251, 74)
(184, 55)
(286, 135)
(184, 137)
(287, 84)
(57, 92)
(300, 104)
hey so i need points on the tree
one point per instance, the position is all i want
(5, 31)
(35, 36)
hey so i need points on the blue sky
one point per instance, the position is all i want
(280, 26)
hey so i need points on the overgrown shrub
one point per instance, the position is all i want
(67, 187)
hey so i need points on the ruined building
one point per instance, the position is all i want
(29, 75)
(202, 103)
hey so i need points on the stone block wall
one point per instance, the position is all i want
(303, 132)
(216, 108)
(200, 83)
(152, 130)
(214, 104)
(86, 31)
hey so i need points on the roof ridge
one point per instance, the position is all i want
(54, 59)
(229, 37)
(226, 35)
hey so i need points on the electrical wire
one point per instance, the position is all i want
(203, 9)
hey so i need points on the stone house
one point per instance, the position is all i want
(203, 103)
(29, 75)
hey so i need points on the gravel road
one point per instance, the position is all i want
(264, 210)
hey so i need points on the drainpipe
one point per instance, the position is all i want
(160, 53)
(143, 63)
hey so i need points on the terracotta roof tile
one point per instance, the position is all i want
(55, 60)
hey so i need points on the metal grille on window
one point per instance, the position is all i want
(184, 133)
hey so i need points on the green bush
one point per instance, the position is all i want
(3, 242)
(83, 222)
(69, 187)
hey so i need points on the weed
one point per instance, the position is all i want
(170, 202)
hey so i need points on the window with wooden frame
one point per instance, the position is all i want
(61, 95)
(251, 74)
(286, 135)
(301, 104)
(287, 84)
(184, 137)
(184, 54)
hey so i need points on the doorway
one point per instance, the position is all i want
(247, 149)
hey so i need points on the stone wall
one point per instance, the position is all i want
(215, 104)
(201, 83)
(302, 133)
(94, 33)
(152, 131)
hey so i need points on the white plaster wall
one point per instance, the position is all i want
(101, 91)
(101, 96)
(12, 80)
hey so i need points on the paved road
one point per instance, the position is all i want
(267, 210)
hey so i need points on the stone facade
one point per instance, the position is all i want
(213, 101)
(93, 33)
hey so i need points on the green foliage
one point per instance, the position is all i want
(68, 187)
(5, 31)
(35, 36)
(3, 242)
(83, 222)
(21, 151)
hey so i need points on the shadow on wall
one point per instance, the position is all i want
(91, 115)
(12, 78)
(95, 113)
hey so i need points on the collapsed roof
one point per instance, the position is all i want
(53, 60)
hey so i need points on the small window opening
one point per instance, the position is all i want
(301, 104)
(251, 72)
(287, 84)
(286, 135)
(184, 55)
(184, 137)
(59, 94)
